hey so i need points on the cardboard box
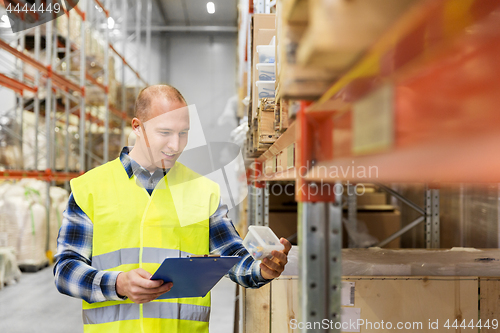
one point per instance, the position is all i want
(265, 121)
(270, 166)
(293, 80)
(261, 37)
(282, 198)
(281, 161)
(284, 224)
(375, 198)
(263, 30)
(380, 224)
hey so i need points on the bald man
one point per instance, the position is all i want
(124, 217)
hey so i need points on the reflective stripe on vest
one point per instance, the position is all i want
(131, 256)
(161, 310)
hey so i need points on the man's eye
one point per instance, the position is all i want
(164, 133)
(184, 133)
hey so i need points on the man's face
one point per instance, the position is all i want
(166, 132)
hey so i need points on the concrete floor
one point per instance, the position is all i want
(35, 305)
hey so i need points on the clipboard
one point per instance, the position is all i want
(193, 276)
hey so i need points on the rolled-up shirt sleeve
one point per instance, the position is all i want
(74, 275)
(225, 241)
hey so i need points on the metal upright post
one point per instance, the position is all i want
(265, 206)
(334, 259)
(82, 85)
(138, 40)
(313, 262)
(37, 95)
(148, 40)
(106, 84)
(53, 150)
(259, 205)
(48, 122)
(251, 204)
(432, 233)
(320, 258)
(21, 79)
(124, 15)
(352, 208)
(67, 59)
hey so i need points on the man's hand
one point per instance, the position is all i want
(138, 287)
(272, 268)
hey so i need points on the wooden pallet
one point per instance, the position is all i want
(33, 268)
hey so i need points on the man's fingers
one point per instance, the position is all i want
(270, 272)
(142, 273)
(152, 291)
(273, 265)
(166, 287)
(281, 257)
(287, 244)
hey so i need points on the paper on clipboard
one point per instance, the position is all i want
(193, 276)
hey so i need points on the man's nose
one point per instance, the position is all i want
(173, 143)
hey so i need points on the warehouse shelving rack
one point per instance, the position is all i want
(433, 81)
(72, 86)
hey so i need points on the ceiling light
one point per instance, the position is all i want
(210, 7)
(5, 19)
(111, 23)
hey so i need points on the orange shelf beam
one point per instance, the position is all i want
(60, 81)
(119, 113)
(46, 175)
(102, 7)
(126, 63)
(286, 175)
(15, 85)
(95, 82)
(77, 9)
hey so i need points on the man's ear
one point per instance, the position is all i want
(136, 127)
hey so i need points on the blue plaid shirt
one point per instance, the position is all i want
(74, 275)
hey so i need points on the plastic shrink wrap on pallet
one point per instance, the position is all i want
(23, 219)
(29, 145)
(23, 223)
(59, 201)
(11, 156)
(9, 272)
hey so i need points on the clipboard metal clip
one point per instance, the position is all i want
(205, 256)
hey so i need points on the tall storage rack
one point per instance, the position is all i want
(63, 78)
(420, 103)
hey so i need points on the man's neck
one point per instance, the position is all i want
(142, 160)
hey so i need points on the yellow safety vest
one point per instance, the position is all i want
(133, 229)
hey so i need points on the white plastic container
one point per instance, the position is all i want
(261, 241)
(267, 72)
(266, 89)
(266, 53)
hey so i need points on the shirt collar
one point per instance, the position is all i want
(133, 168)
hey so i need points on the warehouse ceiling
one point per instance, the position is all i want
(194, 13)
